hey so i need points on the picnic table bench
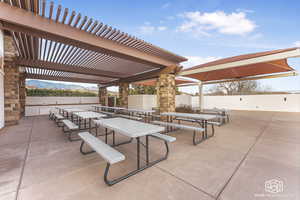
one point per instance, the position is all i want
(132, 129)
(201, 119)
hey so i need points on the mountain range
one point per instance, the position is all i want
(55, 85)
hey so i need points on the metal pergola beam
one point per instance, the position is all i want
(66, 68)
(60, 78)
(19, 20)
(146, 75)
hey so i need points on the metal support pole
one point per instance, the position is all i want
(138, 152)
(200, 96)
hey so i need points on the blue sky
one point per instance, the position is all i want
(203, 30)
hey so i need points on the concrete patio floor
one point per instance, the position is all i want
(38, 162)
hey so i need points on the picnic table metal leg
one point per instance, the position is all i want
(90, 125)
(96, 126)
(138, 152)
(205, 128)
(113, 138)
(150, 164)
(195, 141)
(79, 122)
(84, 152)
(106, 135)
(147, 149)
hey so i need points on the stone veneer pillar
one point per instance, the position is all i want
(166, 93)
(11, 83)
(22, 93)
(103, 96)
(123, 94)
(1, 79)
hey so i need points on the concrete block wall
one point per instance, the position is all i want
(274, 102)
(148, 102)
(280, 103)
(44, 110)
(42, 105)
(60, 100)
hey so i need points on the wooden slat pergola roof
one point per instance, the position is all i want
(58, 44)
(244, 66)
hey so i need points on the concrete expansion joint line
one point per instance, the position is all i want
(24, 162)
(244, 158)
(184, 181)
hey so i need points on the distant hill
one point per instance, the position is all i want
(60, 86)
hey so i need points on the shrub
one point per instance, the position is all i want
(59, 93)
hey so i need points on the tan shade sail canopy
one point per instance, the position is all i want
(242, 66)
(178, 81)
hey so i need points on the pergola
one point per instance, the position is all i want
(55, 43)
(178, 82)
(255, 66)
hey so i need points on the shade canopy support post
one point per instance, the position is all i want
(200, 86)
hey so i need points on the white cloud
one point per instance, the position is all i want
(255, 36)
(170, 18)
(197, 60)
(244, 10)
(147, 28)
(166, 5)
(235, 23)
(297, 43)
(162, 28)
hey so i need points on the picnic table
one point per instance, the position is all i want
(201, 119)
(89, 115)
(69, 111)
(145, 113)
(130, 111)
(108, 108)
(135, 130)
(222, 112)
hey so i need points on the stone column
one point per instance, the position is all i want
(103, 98)
(1, 79)
(11, 83)
(166, 93)
(123, 94)
(22, 93)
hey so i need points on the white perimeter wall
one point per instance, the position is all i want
(146, 102)
(60, 100)
(40, 105)
(44, 110)
(241, 102)
(253, 102)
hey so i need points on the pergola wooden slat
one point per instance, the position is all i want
(53, 38)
